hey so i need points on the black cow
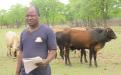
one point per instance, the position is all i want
(60, 42)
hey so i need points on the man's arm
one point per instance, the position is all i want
(19, 61)
(50, 57)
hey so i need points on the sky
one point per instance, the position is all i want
(6, 4)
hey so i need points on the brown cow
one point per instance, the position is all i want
(92, 39)
(61, 41)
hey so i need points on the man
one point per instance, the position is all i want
(36, 40)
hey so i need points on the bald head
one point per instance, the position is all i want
(32, 16)
(34, 8)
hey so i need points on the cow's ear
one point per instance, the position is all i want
(108, 29)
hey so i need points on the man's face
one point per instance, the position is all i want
(32, 17)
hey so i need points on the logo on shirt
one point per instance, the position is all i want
(38, 39)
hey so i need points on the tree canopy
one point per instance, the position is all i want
(76, 12)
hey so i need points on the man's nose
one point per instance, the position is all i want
(29, 17)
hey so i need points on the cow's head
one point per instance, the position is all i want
(14, 49)
(111, 34)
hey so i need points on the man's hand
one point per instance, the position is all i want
(42, 64)
(45, 62)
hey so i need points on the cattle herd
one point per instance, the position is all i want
(83, 38)
(77, 38)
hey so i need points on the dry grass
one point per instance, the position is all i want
(109, 60)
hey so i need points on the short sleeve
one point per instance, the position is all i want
(51, 40)
(21, 45)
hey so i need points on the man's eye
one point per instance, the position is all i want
(30, 15)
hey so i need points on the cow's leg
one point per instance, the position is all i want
(68, 58)
(61, 52)
(13, 51)
(8, 50)
(14, 54)
(90, 56)
(65, 54)
(95, 56)
(84, 52)
(81, 51)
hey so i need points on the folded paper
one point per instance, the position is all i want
(29, 63)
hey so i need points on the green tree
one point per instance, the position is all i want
(51, 11)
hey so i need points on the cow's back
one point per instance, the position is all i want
(10, 36)
(79, 38)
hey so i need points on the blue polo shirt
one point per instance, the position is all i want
(32, 48)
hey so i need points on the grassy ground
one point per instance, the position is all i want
(109, 60)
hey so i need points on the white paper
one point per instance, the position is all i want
(29, 63)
